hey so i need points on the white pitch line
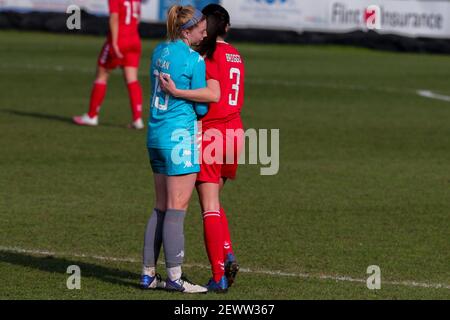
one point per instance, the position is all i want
(244, 270)
(432, 95)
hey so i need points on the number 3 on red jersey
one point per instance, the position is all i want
(233, 98)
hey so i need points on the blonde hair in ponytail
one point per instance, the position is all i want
(177, 16)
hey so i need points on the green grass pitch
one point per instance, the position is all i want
(364, 176)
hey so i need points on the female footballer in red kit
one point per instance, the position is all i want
(121, 49)
(224, 70)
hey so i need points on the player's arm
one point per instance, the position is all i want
(205, 95)
(198, 81)
(114, 26)
(138, 12)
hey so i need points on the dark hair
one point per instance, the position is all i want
(218, 20)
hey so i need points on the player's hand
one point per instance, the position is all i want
(117, 51)
(167, 84)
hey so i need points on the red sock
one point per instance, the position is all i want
(227, 247)
(212, 230)
(97, 96)
(135, 93)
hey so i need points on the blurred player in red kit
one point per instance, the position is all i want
(121, 49)
(222, 124)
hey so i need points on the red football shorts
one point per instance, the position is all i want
(129, 47)
(221, 161)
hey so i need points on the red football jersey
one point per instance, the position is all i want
(227, 67)
(129, 12)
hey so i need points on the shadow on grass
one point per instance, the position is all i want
(53, 117)
(53, 264)
(39, 115)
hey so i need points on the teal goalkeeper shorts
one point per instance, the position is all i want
(174, 162)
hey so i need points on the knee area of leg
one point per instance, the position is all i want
(210, 205)
(177, 203)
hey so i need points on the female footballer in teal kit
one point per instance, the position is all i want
(173, 148)
(223, 125)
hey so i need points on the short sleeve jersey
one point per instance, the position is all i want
(129, 12)
(169, 114)
(227, 67)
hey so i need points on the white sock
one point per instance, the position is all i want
(149, 271)
(174, 273)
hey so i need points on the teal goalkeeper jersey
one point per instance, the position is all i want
(169, 115)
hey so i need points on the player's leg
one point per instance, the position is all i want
(105, 63)
(179, 192)
(212, 229)
(227, 245)
(230, 262)
(132, 50)
(208, 189)
(154, 236)
(234, 145)
(98, 93)
(135, 94)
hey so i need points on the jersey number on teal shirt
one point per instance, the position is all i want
(156, 101)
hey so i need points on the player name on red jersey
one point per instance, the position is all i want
(233, 58)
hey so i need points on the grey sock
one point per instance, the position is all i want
(173, 237)
(153, 238)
